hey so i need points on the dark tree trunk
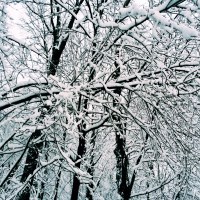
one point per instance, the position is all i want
(57, 184)
(120, 149)
(30, 165)
(80, 153)
(89, 192)
(122, 163)
(81, 148)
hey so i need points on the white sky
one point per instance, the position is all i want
(16, 14)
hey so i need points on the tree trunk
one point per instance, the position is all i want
(30, 165)
(120, 149)
(122, 163)
(89, 192)
(80, 153)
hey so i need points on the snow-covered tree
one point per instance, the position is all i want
(102, 101)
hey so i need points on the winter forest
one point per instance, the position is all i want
(100, 100)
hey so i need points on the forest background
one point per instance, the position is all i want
(99, 99)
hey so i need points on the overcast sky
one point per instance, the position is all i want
(16, 14)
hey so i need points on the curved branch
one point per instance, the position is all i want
(25, 98)
(153, 189)
(24, 85)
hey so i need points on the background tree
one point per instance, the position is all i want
(101, 101)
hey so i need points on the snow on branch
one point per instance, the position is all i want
(165, 182)
(21, 43)
(24, 98)
(25, 85)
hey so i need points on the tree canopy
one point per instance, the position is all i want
(99, 99)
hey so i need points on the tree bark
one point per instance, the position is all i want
(89, 192)
(30, 165)
(120, 149)
(80, 153)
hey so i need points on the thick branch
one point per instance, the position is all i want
(24, 98)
